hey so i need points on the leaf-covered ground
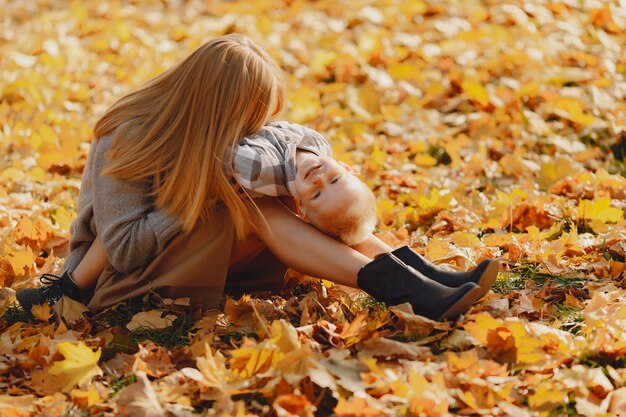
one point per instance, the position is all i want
(486, 129)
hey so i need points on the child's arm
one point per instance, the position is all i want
(91, 266)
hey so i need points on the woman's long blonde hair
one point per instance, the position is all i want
(184, 124)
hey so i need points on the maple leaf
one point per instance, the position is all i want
(21, 261)
(42, 312)
(600, 210)
(32, 233)
(69, 310)
(78, 367)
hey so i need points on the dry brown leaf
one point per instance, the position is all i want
(139, 399)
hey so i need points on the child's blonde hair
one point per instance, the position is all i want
(185, 123)
(358, 221)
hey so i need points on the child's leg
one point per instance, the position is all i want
(372, 246)
(306, 249)
(91, 266)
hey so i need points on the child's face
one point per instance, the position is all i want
(324, 189)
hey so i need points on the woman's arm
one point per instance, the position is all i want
(132, 230)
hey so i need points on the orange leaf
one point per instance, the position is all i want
(356, 407)
(22, 261)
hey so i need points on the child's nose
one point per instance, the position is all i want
(318, 179)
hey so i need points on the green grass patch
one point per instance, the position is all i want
(530, 271)
(507, 282)
(595, 360)
(571, 318)
(124, 340)
(14, 314)
(565, 410)
(121, 382)
(369, 303)
(177, 335)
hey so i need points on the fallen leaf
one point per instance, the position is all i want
(153, 319)
(69, 310)
(78, 367)
(139, 399)
(41, 312)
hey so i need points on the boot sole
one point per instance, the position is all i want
(489, 276)
(483, 286)
(463, 304)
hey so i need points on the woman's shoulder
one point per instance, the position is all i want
(126, 126)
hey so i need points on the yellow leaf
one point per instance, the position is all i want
(123, 31)
(553, 171)
(78, 367)
(37, 174)
(461, 361)
(86, 398)
(599, 209)
(305, 105)
(414, 7)
(425, 160)
(377, 158)
(386, 211)
(475, 91)
(321, 60)
(42, 312)
(44, 138)
(547, 397)
(63, 217)
(12, 174)
(479, 327)
(284, 335)
(572, 109)
(466, 240)
(404, 71)
(54, 157)
(213, 368)
(434, 200)
(252, 358)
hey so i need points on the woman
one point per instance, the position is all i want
(157, 196)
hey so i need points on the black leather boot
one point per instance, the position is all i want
(483, 275)
(54, 287)
(390, 280)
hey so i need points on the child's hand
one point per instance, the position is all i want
(352, 170)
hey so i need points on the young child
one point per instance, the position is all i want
(286, 159)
